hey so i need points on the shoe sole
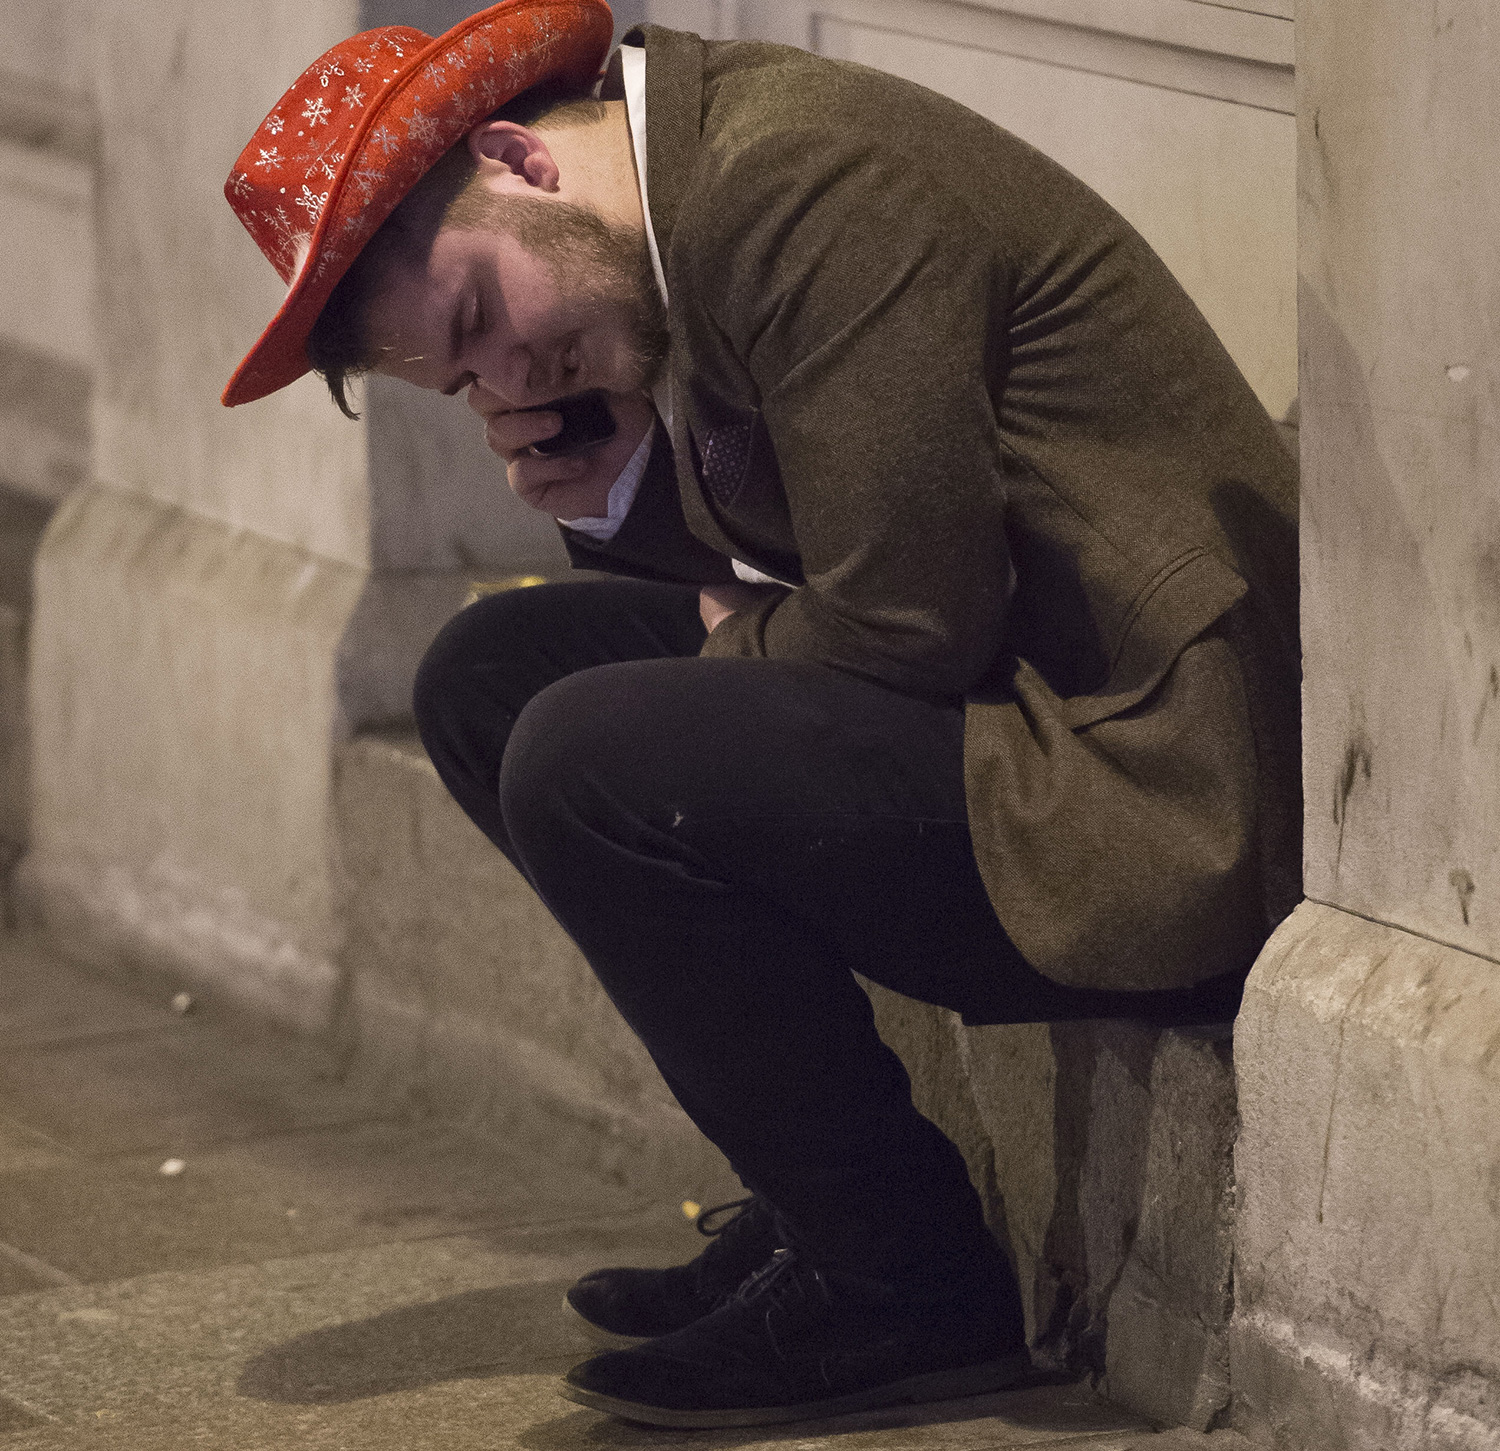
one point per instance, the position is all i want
(944, 1385)
(609, 1339)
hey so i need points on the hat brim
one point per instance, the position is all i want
(529, 42)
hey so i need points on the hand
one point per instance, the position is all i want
(575, 487)
(716, 602)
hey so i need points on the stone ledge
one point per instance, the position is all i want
(1102, 1152)
(157, 922)
(183, 714)
(465, 998)
(1369, 1180)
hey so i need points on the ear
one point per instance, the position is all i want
(512, 157)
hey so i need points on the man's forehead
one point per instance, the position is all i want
(408, 324)
(410, 310)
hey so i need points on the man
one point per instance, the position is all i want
(959, 648)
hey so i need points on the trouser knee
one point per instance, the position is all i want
(558, 775)
(466, 664)
(470, 687)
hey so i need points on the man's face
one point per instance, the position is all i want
(544, 299)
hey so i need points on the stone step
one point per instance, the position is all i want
(1102, 1150)
(465, 998)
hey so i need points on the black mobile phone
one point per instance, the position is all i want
(586, 423)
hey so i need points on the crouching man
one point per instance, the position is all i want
(954, 644)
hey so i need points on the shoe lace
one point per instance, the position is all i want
(745, 1217)
(735, 1208)
(780, 1296)
(783, 1277)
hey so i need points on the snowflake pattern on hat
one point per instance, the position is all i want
(300, 164)
(362, 125)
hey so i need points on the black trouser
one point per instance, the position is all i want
(727, 841)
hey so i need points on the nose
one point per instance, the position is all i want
(517, 385)
(524, 376)
(496, 372)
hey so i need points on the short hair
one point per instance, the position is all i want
(339, 346)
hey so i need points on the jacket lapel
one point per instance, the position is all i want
(674, 125)
(674, 120)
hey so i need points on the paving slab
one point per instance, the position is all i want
(44, 999)
(324, 1273)
(99, 1086)
(98, 1220)
(447, 1341)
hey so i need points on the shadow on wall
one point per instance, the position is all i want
(1377, 609)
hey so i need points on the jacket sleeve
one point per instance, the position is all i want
(862, 310)
(653, 541)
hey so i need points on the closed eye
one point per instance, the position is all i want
(459, 333)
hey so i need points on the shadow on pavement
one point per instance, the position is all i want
(521, 1330)
(509, 1330)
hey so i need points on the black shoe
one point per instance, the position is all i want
(796, 1344)
(627, 1307)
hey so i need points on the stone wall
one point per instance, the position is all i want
(190, 602)
(1369, 1223)
(225, 595)
(48, 143)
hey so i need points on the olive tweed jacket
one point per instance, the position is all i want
(928, 376)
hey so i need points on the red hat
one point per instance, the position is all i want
(360, 128)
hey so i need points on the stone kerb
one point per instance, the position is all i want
(464, 998)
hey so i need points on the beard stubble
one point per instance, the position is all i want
(606, 263)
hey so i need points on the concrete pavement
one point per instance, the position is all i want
(324, 1272)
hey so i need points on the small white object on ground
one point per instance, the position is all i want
(88, 1315)
(183, 1003)
(172, 1167)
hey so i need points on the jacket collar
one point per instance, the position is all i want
(674, 120)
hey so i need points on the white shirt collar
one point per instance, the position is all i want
(633, 75)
